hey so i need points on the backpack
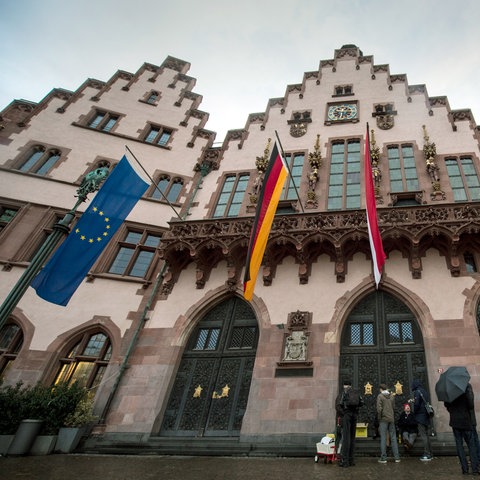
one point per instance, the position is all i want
(353, 399)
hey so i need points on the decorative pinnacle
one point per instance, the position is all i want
(374, 150)
(262, 162)
(315, 157)
(429, 148)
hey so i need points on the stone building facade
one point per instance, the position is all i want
(159, 328)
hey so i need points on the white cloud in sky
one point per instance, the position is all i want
(241, 53)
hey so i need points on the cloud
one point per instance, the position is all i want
(241, 54)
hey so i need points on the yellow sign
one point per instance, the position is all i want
(224, 394)
(368, 388)
(197, 392)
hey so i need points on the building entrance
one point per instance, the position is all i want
(210, 393)
(382, 343)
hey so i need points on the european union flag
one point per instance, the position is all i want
(63, 273)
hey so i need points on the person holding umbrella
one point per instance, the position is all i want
(454, 389)
(420, 397)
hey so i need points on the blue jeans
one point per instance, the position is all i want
(467, 435)
(383, 428)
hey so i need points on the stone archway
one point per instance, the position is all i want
(210, 393)
(381, 342)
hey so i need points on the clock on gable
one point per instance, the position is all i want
(342, 112)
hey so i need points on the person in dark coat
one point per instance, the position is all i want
(407, 426)
(420, 396)
(462, 426)
(473, 417)
(347, 416)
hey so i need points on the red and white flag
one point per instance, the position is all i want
(376, 246)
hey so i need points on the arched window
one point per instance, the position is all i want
(86, 361)
(170, 187)
(102, 163)
(11, 341)
(40, 160)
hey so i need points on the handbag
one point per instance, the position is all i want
(428, 407)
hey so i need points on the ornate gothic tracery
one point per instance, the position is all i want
(412, 231)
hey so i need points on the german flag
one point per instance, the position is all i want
(270, 192)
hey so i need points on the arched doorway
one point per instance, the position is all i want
(382, 343)
(210, 393)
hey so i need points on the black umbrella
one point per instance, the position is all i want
(452, 383)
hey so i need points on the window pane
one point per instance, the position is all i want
(133, 237)
(407, 332)
(65, 373)
(98, 378)
(52, 159)
(31, 161)
(334, 203)
(95, 345)
(7, 214)
(219, 211)
(368, 334)
(213, 339)
(141, 264)
(459, 195)
(96, 121)
(162, 186)
(152, 135)
(355, 332)
(394, 332)
(82, 373)
(164, 138)
(174, 192)
(7, 334)
(120, 263)
(152, 241)
(109, 125)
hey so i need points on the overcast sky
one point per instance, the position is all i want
(241, 52)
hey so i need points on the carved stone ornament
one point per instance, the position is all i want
(295, 347)
(385, 122)
(315, 160)
(430, 152)
(261, 163)
(298, 129)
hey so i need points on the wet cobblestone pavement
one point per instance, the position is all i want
(122, 467)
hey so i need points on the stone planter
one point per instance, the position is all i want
(69, 438)
(43, 445)
(25, 436)
(5, 442)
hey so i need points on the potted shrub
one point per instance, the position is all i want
(76, 424)
(52, 404)
(42, 411)
(10, 418)
(29, 400)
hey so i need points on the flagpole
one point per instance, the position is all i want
(289, 171)
(151, 179)
(60, 229)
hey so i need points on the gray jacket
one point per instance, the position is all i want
(386, 407)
